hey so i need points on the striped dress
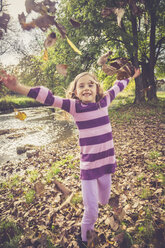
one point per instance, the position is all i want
(97, 156)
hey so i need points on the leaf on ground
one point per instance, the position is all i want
(20, 115)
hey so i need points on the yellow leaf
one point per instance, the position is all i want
(20, 115)
(73, 46)
(45, 57)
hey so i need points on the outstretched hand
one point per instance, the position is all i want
(137, 73)
(9, 81)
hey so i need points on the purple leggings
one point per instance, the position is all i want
(94, 191)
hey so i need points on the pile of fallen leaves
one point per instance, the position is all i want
(42, 195)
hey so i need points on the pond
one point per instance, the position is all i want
(43, 125)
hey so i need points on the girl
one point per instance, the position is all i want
(88, 105)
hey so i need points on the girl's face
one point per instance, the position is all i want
(86, 89)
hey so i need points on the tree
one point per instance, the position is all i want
(140, 35)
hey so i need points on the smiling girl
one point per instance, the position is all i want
(88, 105)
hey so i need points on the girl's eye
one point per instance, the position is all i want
(90, 85)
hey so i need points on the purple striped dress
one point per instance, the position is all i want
(97, 156)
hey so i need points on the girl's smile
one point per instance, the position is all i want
(86, 89)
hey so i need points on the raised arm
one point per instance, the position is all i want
(12, 83)
(119, 86)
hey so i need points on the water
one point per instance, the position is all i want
(41, 127)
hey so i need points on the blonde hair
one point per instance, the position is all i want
(70, 93)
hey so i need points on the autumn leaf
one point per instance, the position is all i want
(73, 46)
(107, 11)
(45, 57)
(50, 40)
(61, 29)
(29, 5)
(119, 12)
(62, 69)
(44, 22)
(20, 115)
(74, 23)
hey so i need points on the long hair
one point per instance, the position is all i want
(70, 93)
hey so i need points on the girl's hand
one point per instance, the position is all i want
(9, 81)
(137, 73)
(12, 84)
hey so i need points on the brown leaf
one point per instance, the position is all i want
(29, 5)
(60, 186)
(24, 25)
(44, 22)
(4, 19)
(50, 6)
(109, 70)
(114, 201)
(114, 225)
(61, 29)
(103, 59)
(74, 23)
(50, 40)
(62, 69)
(39, 188)
(119, 238)
(107, 11)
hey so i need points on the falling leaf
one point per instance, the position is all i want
(44, 22)
(74, 23)
(103, 59)
(45, 57)
(61, 29)
(73, 46)
(50, 40)
(107, 11)
(29, 5)
(24, 25)
(20, 115)
(62, 69)
(120, 66)
(119, 12)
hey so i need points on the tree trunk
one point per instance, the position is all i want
(151, 94)
(139, 95)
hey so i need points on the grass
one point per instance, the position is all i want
(30, 196)
(77, 198)
(146, 193)
(10, 234)
(11, 102)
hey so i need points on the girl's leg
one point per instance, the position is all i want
(90, 200)
(104, 188)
